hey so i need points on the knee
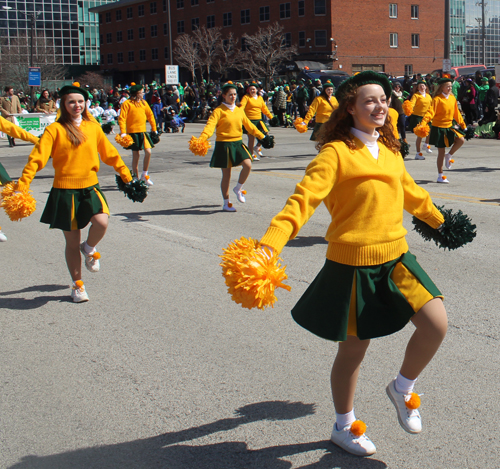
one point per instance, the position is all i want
(100, 223)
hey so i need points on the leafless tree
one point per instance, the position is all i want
(208, 43)
(228, 55)
(187, 53)
(93, 79)
(265, 52)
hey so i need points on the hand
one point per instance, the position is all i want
(123, 135)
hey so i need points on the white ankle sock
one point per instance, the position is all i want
(343, 420)
(145, 173)
(238, 187)
(226, 202)
(88, 249)
(404, 385)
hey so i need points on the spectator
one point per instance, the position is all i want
(45, 104)
(10, 104)
(490, 103)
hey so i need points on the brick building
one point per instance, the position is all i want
(137, 36)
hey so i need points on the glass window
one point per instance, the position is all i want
(109, 38)
(245, 16)
(227, 19)
(154, 54)
(393, 10)
(142, 32)
(180, 4)
(194, 3)
(100, 18)
(287, 40)
(264, 14)
(140, 10)
(210, 21)
(154, 30)
(302, 8)
(119, 36)
(414, 12)
(195, 24)
(142, 55)
(118, 15)
(180, 27)
(210, 1)
(152, 8)
(130, 34)
(110, 58)
(165, 6)
(130, 14)
(409, 69)
(243, 44)
(108, 17)
(320, 38)
(131, 56)
(165, 53)
(302, 39)
(285, 11)
(393, 39)
(165, 29)
(320, 7)
(415, 40)
(119, 57)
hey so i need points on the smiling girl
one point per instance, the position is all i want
(370, 285)
(75, 144)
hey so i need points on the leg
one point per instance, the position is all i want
(147, 158)
(251, 141)
(440, 159)
(418, 143)
(345, 372)
(459, 141)
(73, 257)
(225, 181)
(98, 229)
(245, 171)
(135, 162)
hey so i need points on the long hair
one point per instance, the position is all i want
(75, 135)
(338, 127)
(439, 90)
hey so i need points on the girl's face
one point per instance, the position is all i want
(370, 109)
(252, 91)
(75, 104)
(447, 88)
(329, 91)
(140, 94)
(45, 94)
(421, 88)
(230, 96)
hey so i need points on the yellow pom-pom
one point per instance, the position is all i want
(408, 108)
(199, 146)
(76, 84)
(300, 125)
(251, 274)
(358, 428)
(9, 189)
(413, 401)
(421, 130)
(125, 142)
(17, 205)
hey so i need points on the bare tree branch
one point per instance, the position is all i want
(208, 42)
(187, 53)
(228, 55)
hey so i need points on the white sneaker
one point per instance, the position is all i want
(428, 149)
(442, 179)
(255, 158)
(419, 156)
(147, 180)
(240, 195)
(228, 207)
(2, 236)
(406, 407)
(258, 150)
(91, 260)
(360, 445)
(448, 161)
(78, 292)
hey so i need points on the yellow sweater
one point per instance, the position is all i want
(322, 108)
(420, 103)
(228, 125)
(254, 107)
(393, 117)
(16, 131)
(133, 117)
(365, 198)
(443, 111)
(75, 167)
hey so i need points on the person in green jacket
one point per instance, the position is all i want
(481, 95)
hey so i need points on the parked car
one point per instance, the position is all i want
(459, 70)
(335, 76)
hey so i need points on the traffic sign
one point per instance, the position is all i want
(34, 76)
(172, 74)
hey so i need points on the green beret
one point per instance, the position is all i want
(421, 82)
(442, 81)
(484, 79)
(135, 89)
(328, 84)
(74, 88)
(229, 85)
(364, 78)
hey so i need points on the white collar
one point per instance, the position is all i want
(422, 94)
(78, 120)
(446, 95)
(370, 141)
(230, 106)
(255, 97)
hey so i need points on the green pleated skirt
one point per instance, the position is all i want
(366, 302)
(442, 138)
(229, 154)
(316, 128)
(414, 121)
(4, 176)
(142, 141)
(259, 123)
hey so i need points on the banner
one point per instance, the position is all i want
(34, 123)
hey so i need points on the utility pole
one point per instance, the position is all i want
(446, 56)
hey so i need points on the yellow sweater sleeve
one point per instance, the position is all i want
(243, 102)
(211, 124)
(110, 156)
(37, 160)
(265, 109)
(16, 131)
(312, 111)
(431, 112)
(458, 117)
(251, 128)
(150, 116)
(122, 118)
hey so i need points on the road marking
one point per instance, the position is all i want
(435, 195)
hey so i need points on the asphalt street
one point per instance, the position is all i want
(160, 369)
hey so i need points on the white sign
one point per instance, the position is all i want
(34, 123)
(172, 74)
(446, 65)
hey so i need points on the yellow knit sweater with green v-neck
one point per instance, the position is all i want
(133, 117)
(254, 107)
(322, 108)
(443, 111)
(365, 198)
(420, 103)
(75, 167)
(228, 125)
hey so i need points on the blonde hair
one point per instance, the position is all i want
(75, 135)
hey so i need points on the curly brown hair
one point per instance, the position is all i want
(338, 127)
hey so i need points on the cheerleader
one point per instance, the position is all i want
(418, 105)
(370, 285)
(254, 106)
(110, 115)
(133, 115)
(441, 114)
(322, 107)
(227, 121)
(75, 143)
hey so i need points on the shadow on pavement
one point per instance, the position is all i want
(490, 200)
(421, 182)
(194, 210)
(40, 288)
(302, 241)
(163, 451)
(482, 169)
(37, 302)
(270, 170)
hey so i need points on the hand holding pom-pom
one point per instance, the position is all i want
(252, 273)
(408, 108)
(300, 125)
(199, 146)
(18, 204)
(136, 190)
(125, 142)
(422, 130)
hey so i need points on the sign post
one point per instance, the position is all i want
(171, 74)
(446, 65)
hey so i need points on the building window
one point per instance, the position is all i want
(130, 55)
(180, 27)
(409, 69)
(165, 6)
(165, 29)
(414, 12)
(101, 40)
(210, 1)
(102, 58)
(152, 8)
(165, 53)
(302, 39)
(100, 18)
(180, 4)
(415, 40)
(302, 8)
(393, 10)
(393, 39)
(245, 16)
(119, 57)
(110, 58)
(287, 40)
(130, 34)
(154, 54)
(373, 67)
(210, 21)
(109, 38)
(142, 32)
(108, 17)
(320, 7)
(320, 38)
(118, 15)
(154, 30)
(285, 11)
(142, 55)
(195, 3)
(264, 14)
(140, 10)
(130, 13)
(119, 36)
(195, 24)
(227, 19)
